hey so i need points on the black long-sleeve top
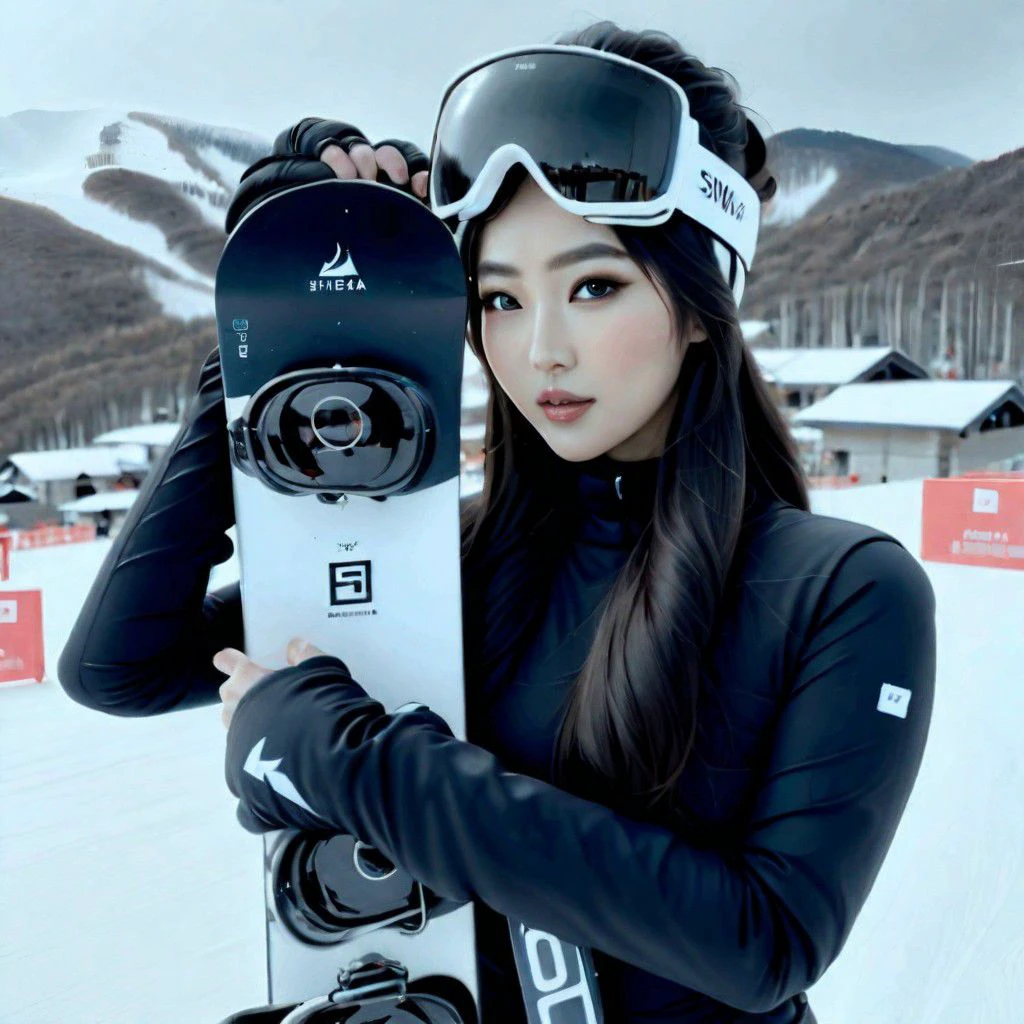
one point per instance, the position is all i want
(811, 730)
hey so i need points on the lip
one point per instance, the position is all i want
(557, 395)
(568, 412)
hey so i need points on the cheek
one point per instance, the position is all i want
(503, 356)
(637, 342)
(634, 343)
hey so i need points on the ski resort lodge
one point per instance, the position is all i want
(803, 376)
(54, 477)
(73, 484)
(902, 430)
(155, 438)
(97, 483)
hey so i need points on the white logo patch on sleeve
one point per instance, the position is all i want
(894, 700)
(269, 772)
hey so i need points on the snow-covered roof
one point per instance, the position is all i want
(68, 463)
(143, 433)
(935, 404)
(770, 359)
(112, 501)
(751, 329)
(807, 435)
(15, 492)
(806, 367)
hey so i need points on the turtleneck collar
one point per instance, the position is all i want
(616, 499)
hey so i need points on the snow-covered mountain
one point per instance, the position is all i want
(820, 171)
(70, 162)
(58, 159)
(113, 224)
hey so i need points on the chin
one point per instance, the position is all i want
(577, 450)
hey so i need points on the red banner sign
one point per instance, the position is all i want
(21, 635)
(975, 520)
(47, 536)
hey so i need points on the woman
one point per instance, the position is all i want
(690, 742)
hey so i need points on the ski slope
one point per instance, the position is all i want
(129, 893)
(43, 161)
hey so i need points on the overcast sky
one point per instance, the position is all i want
(938, 72)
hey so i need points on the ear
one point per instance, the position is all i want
(697, 333)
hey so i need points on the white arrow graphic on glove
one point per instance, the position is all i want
(277, 780)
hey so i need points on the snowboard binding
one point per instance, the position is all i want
(374, 990)
(333, 432)
(328, 891)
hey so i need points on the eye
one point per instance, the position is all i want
(600, 281)
(488, 297)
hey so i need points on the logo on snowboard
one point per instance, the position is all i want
(335, 276)
(241, 328)
(555, 978)
(350, 583)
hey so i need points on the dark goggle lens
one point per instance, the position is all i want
(600, 131)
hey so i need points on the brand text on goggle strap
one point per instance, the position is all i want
(718, 192)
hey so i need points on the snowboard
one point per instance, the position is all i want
(341, 311)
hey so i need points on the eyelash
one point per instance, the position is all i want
(617, 286)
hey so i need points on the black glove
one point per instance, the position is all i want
(146, 634)
(295, 160)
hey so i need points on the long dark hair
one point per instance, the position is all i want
(630, 721)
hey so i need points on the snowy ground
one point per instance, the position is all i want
(128, 893)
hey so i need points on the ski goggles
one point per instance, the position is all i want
(606, 138)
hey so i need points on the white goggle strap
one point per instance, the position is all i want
(716, 195)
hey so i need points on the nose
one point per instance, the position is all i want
(550, 343)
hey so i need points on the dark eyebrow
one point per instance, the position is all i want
(564, 259)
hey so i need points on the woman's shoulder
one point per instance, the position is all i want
(783, 534)
(793, 563)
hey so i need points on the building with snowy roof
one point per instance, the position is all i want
(54, 477)
(107, 509)
(912, 429)
(803, 376)
(154, 437)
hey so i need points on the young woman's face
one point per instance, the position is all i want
(595, 327)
